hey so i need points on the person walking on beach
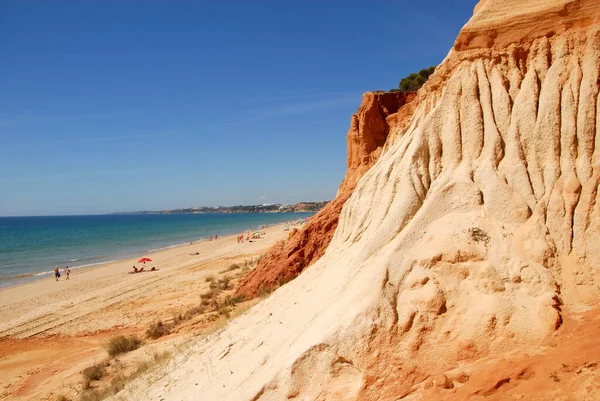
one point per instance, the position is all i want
(56, 273)
(67, 272)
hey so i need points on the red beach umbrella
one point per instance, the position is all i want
(144, 260)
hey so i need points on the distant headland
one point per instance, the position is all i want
(264, 208)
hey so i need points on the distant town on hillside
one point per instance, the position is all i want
(264, 208)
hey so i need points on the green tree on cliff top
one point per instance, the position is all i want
(414, 81)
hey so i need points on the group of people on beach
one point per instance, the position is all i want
(216, 237)
(57, 273)
(141, 270)
(250, 236)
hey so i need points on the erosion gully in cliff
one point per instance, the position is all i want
(474, 238)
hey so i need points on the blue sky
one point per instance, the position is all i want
(119, 106)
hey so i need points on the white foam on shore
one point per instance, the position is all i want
(93, 264)
(42, 273)
(166, 247)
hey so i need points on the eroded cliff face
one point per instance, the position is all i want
(366, 138)
(474, 235)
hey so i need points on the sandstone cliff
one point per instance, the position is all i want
(473, 237)
(366, 137)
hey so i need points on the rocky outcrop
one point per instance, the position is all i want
(367, 135)
(472, 237)
(369, 129)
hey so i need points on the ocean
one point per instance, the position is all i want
(30, 247)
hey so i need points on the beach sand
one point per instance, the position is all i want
(51, 330)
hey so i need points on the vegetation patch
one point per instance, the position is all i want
(414, 81)
(217, 306)
(232, 301)
(478, 235)
(265, 291)
(122, 344)
(190, 313)
(232, 267)
(210, 294)
(158, 330)
(177, 318)
(225, 283)
(119, 381)
(92, 373)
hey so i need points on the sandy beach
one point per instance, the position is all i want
(52, 330)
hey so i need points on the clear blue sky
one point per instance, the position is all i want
(120, 106)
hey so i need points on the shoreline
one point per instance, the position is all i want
(27, 278)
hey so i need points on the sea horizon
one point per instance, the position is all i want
(164, 211)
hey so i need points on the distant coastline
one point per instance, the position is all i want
(301, 207)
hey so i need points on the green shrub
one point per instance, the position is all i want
(478, 235)
(224, 311)
(92, 373)
(414, 81)
(225, 283)
(190, 313)
(233, 267)
(210, 294)
(232, 301)
(121, 344)
(157, 330)
(265, 291)
(177, 318)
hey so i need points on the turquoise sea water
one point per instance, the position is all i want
(30, 247)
